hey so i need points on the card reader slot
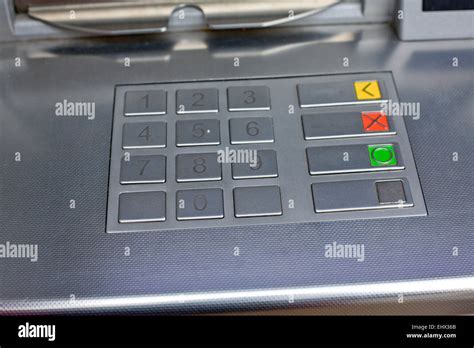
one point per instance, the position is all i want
(127, 17)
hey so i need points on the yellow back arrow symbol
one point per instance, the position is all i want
(365, 89)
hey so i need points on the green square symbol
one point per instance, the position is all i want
(382, 155)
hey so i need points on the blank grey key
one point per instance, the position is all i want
(190, 101)
(197, 132)
(198, 167)
(257, 201)
(144, 103)
(346, 159)
(143, 170)
(248, 98)
(390, 192)
(144, 135)
(358, 195)
(263, 166)
(199, 204)
(142, 207)
(250, 130)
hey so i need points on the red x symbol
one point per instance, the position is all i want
(375, 122)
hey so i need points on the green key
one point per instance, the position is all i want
(382, 155)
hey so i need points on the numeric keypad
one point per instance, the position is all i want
(257, 151)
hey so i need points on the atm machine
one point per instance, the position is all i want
(260, 156)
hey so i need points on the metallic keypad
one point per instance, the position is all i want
(252, 152)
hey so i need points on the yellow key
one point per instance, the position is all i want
(367, 90)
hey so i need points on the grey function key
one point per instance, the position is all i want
(144, 135)
(142, 207)
(257, 201)
(361, 195)
(320, 94)
(143, 169)
(145, 103)
(251, 130)
(353, 158)
(251, 98)
(199, 204)
(197, 132)
(198, 167)
(264, 165)
(345, 125)
(190, 101)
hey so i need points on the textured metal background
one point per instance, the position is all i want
(67, 158)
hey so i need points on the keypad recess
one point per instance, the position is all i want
(224, 153)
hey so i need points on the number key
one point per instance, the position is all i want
(144, 135)
(198, 167)
(199, 204)
(143, 170)
(199, 132)
(190, 101)
(248, 98)
(251, 130)
(264, 166)
(145, 103)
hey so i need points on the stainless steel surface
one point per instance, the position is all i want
(16, 25)
(280, 266)
(338, 297)
(150, 16)
(412, 23)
